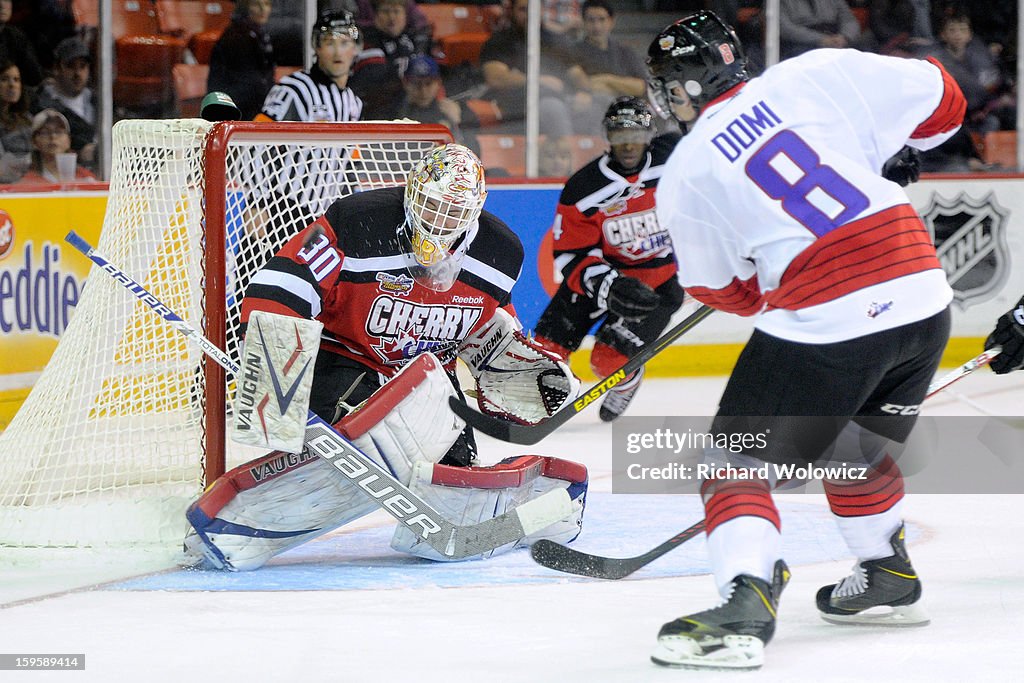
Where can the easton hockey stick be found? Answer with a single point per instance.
(979, 361)
(571, 561)
(452, 541)
(502, 429)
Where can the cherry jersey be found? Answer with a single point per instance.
(355, 280)
(776, 204)
(605, 217)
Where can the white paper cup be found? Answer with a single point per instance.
(66, 165)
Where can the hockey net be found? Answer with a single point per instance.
(127, 422)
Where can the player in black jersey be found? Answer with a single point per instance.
(616, 261)
(403, 282)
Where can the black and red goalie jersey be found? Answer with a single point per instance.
(355, 279)
(606, 216)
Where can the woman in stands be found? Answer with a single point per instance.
(51, 136)
(15, 124)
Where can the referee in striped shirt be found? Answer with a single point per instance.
(322, 92)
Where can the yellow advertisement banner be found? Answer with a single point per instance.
(41, 279)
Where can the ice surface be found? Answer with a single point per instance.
(347, 608)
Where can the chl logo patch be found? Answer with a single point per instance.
(970, 239)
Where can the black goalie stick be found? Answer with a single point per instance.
(502, 429)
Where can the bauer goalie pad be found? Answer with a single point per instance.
(516, 378)
(279, 501)
(467, 495)
(272, 394)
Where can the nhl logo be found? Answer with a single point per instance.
(970, 240)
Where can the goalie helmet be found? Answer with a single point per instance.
(699, 54)
(444, 196)
(336, 21)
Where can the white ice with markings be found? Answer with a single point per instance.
(347, 608)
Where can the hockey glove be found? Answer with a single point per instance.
(1009, 334)
(904, 167)
(627, 297)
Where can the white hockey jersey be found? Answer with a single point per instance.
(777, 206)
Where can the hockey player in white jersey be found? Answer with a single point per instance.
(779, 209)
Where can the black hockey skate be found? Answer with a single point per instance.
(730, 636)
(884, 592)
(619, 397)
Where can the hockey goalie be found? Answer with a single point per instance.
(360, 318)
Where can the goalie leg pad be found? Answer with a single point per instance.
(469, 495)
(276, 502)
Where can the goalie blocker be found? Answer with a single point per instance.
(281, 500)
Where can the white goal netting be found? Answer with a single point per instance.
(115, 439)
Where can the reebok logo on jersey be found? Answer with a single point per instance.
(479, 300)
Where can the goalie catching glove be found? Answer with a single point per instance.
(279, 501)
(516, 378)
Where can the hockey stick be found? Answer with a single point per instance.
(531, 434)
(979, 361)
(565, 559)
(452, 541)
(571, 561)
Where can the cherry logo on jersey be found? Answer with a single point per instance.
(6, 234)
(406, 329)
(395, 284)
(637, 236)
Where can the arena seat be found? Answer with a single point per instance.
(506, 152)
(189, 87)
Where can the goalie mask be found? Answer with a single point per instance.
(444, 196)
(700, 56)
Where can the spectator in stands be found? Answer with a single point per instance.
(971, 64)
(562, 17)
(902, 28)
(423, 103)
(603, 63)
(503, 60)
(808, 24)
(387, 48)
(366, 12)
(51, 135)
(554, 158)
(49, 22)
(69, 93)
(603, 67)
(894, 23)
(242, 62)
(15, 125)
(15, 46)
(285, 27)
